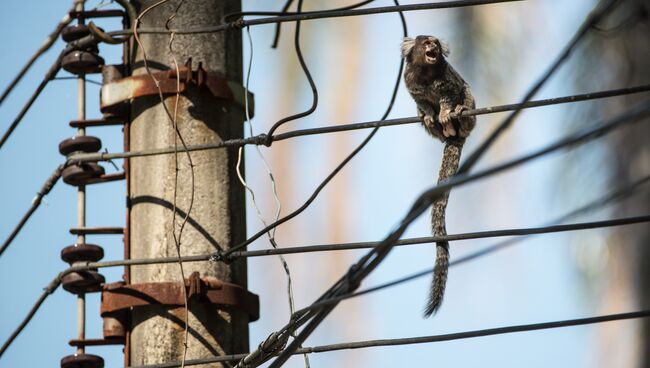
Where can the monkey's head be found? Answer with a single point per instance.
(424, 50)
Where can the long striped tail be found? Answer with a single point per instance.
(450, 161)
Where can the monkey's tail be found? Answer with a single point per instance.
(450, 161)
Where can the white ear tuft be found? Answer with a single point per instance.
(445, 48)
(407, 46)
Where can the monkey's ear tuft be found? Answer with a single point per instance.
(407, 46)
(445, 48)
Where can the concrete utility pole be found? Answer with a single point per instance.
(218, 215)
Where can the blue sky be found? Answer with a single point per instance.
(533, 282)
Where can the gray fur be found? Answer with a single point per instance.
(440, 94)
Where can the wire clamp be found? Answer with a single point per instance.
(170, 82)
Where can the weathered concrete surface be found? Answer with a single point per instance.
(217, 217)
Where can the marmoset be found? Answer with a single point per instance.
(441, 95)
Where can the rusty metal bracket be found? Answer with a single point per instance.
(172, 82)
(117, 297)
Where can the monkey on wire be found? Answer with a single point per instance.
(441, 95)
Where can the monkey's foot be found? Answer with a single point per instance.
(428, 120)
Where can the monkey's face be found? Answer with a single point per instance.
(429, 49)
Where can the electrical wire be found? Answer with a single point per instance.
(36, 202)
(262, 138)
(596, 204)
(47, 44)
(427, 339)
(317, 15)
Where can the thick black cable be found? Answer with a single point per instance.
(601, 9)
(49, 41)
(51, 287)
(45, 189)
(598, 203)
(358, 271)
(228, 18)
(315, 15)
(427, 339)
(278, 26)
(259, 139)
(51, 73)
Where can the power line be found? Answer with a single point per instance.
(260, 139)
(426, 339)
(36, 202)
(598, 203)
(49, 41)
(315, 15)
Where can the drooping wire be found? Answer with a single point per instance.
(278, 203)
(177, 137)
(310, 79)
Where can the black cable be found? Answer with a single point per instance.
(316, 15)
(598, 203)
(49, 41)
(259, 139)
(427, 339)
(51, 287)
(601, 9)
(312, 85)
(45, 189)
(278, 26)
(230, 16)
(51, 73)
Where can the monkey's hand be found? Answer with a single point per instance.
(459, 110)
(448, 129)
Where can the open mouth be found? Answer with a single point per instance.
(430, 54)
